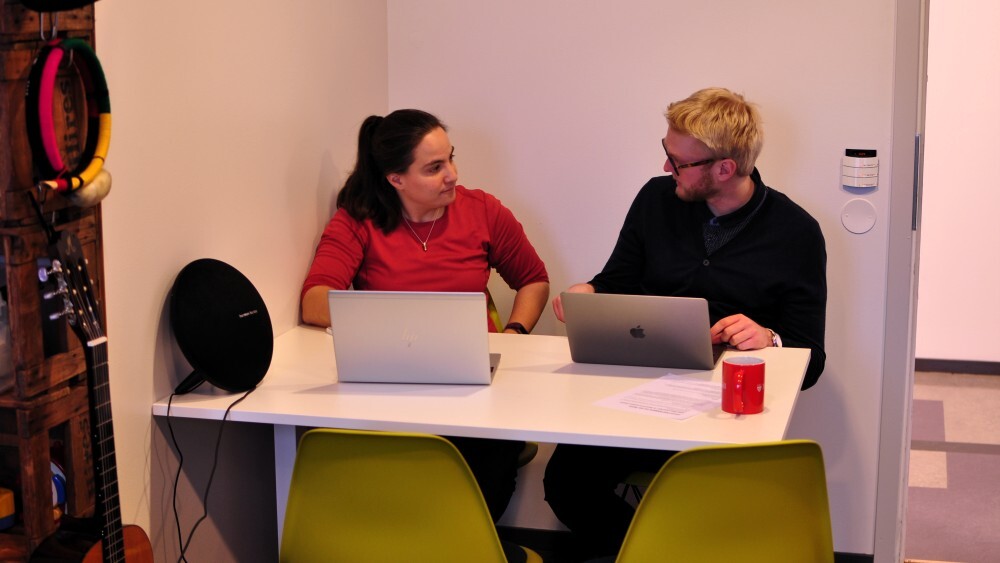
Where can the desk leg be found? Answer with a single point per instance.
(284, 461)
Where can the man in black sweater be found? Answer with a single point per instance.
(711, 229)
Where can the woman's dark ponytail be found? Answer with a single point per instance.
(385, 146)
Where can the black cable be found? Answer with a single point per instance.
(215, 463)
(50, 232)
(177, 477)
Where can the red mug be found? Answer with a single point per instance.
(743, 385)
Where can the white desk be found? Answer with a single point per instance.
(537, 394)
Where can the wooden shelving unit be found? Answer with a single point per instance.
(43, 400)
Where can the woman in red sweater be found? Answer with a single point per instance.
(404, 224)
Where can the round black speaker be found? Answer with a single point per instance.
(221, 325)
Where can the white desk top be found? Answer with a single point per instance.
(537, 394)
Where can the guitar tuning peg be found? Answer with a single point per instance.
(43, 273)
(50, 294)
(68, 310)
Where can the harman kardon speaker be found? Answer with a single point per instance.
(221, 325)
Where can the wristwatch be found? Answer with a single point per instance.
(516, 327)
(775, 339)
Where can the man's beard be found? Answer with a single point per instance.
(702, 190)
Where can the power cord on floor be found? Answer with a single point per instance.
(180, 463)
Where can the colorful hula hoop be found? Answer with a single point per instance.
(38, 113)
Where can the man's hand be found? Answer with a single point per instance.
(576, 288)
(740, 332)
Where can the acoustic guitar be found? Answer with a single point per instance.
(102, 537)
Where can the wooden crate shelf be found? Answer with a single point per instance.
(43, 400)
(27, 432)
(18, 23)
(44, 352)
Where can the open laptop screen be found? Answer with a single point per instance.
(410, 337)
(639, 330)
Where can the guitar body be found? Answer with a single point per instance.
(137, 547)
(78, 546)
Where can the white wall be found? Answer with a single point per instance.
(234, 123)
(959, 273)
(556, 108)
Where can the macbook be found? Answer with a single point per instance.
(411, 337)
(639, 330)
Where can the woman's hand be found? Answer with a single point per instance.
(316, 306)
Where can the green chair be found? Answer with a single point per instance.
(750, 503)
(492, 312)
(385, 496)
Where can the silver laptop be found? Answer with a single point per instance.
(411, 337)
(639, 330)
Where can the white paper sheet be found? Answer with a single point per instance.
(670, 396)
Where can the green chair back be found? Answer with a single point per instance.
(380, 496)
(748, 503)
(492, 312)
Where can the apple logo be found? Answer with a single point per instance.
(409, 337)
(637, 332)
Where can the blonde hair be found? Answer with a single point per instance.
(728, 124)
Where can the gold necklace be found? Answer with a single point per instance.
(429, 231)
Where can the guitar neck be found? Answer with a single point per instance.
(103, 446)
(69, 280)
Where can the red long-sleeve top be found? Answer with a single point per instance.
(475, 235)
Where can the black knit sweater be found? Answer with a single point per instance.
(773, 270)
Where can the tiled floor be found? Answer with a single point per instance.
(953, 505)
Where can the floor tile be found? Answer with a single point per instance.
(928, 469)
(958, 523)
(953, 502)
(970, 404)
(927, 420)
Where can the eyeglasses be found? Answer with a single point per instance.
(679, 167)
